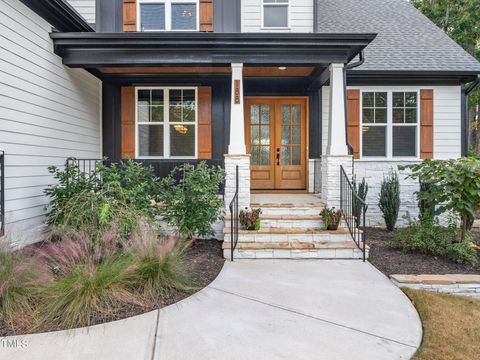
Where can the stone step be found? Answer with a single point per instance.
(295, 250)
(305, 235)
(287, 221)
(301, 210)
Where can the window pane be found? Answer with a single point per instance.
(368, 115)
(157, 113)
(285, 135)
(143, 97)
(398, 116)
(404, 141)
(182, 106)
(275, 1)
(265, 155)
(255, 155)
(411, 116)
(296, 134)
(285, 155)
(152, 16)
(296, 155)
(398, 99)
(368, 99)
(411, 99)
(381, 99)
(182, 140)
(143, 113)
(374, 139)
(184, 16)
(275, 16)
(381, 116)
(254, 114)
(265, 135)
(285, 114)
(265, 115)
(296, 114)
(150, 138)
(254, 136)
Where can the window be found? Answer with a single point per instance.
(166, 122)
(390, 124)
(161, 15)
(275, 13)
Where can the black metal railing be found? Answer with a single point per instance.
(85, 166)
(234, 218)
(354, 211)
(2, 193)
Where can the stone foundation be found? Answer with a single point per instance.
(331, 177)
(243, 162)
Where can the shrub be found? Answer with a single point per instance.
(389, 202)
(357, 205)
(331, 218)
(250, 219)
(426, 205)
(427, 236)
(159, 265)
(192, 204)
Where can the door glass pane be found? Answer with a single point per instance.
(152, 17)
(254, 137)
(295, 155)
(254, 156)
(265, 116)
(265, 135)
(182, 140)
(296, 114)
(285, 114)
(285, 155)
(265, 155)
(150, 140)
(285, 135)
(254, 114)
(296, 134)
(184, 16)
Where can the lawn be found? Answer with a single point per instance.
(451, 326)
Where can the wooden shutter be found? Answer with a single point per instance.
(205, 122)
(353, 121)
(426, 124)
(129, 15)
(206, 15)
(128, 122)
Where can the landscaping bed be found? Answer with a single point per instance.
(204, 261)
(393, 261)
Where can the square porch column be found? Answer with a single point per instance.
(337, 150)
(237, 151)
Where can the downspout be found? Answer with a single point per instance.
(353, 65)
(465, 115)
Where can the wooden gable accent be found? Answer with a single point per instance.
(128, 122)
(129, 15)
(204, 122)
(353, 121)
(426, 123)
(206, 15)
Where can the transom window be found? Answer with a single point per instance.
(166, 122)
(275, 13)
(390, 124)
(165, 15)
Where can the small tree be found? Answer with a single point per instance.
(454, 185)
(389, 202)
(427, 208)
(362, 194)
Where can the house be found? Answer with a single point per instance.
(287, 90)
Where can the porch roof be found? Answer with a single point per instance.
(92, 50)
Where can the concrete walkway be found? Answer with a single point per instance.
(272, 309)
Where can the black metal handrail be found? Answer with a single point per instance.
(354, 211)
(233, 207)
(2, 193)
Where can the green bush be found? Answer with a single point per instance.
(427, 236)
(426, 205)
(362, 193)
(389, 202)
(192, 204)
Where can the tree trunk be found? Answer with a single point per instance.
(464, 228)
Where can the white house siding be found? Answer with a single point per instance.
(447, 145)
(48, 112)
(86, 8)
(300, 12)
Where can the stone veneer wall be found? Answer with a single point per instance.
(374, 172)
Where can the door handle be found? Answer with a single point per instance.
(278, 156)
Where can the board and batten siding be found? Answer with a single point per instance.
(447, 145)
(300, 14)
(48, 112)
(86, 8)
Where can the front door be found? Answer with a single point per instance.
(276, 138)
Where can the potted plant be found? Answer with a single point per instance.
(250, 219)
(331, 218)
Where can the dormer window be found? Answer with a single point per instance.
(168, 15)
(275, 14)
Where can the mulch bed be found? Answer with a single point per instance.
(204, 257)
(392, 261)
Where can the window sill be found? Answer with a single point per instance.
(276, 28)
(165, 158)
(395, 160)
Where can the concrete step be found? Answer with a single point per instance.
(288, 210)
(287, 221)
(299, 235)
(294, 250)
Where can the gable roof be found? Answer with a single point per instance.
(406, 40)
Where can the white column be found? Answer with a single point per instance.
(237, 127)
(337, 140)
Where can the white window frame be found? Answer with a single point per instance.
(262, 11)
(166, 122)
(389, 126)
(168, 14)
